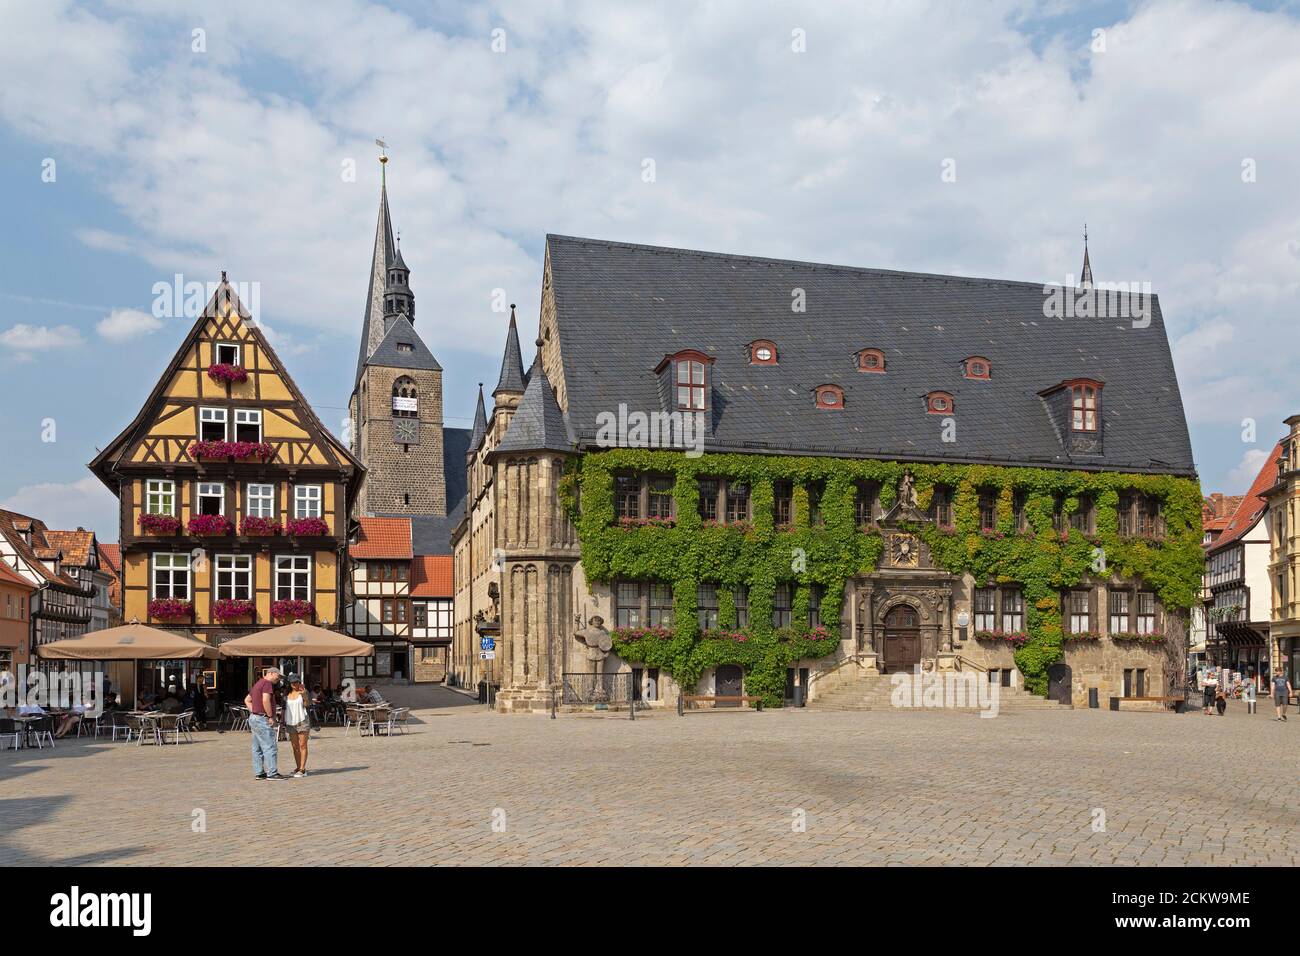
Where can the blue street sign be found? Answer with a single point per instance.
(487, 644)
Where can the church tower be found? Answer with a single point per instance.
(396, 403)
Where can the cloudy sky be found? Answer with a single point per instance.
(147, 139)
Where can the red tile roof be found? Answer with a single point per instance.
(9, 576)
(12, 525)
(431, 576)
(111, 555)
(383, 538)
(1253, 505)
(75, 545)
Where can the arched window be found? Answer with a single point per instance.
(406, 398)
(830, 396)
(939, 403)
(762, 352)
(871, 360)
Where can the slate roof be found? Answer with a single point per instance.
(1252, 506)
(621, 307)
(480, 423)
(382, 538)
(512, 363)
(538, 423)
(380, 260)
(387, 353)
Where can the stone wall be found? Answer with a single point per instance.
(401, 478)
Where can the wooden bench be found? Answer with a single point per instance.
(684, 699)
(1178, 702)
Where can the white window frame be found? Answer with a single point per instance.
(299, 499)
(209, 415)
(251, 416)
(175, 563)
(253, 502)
(294, 564)
(227, 571)
(199, 495)
(164, 489)
(239, 352)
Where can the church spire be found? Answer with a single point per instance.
(512, 363)
(389, 293)
(480, 424)
(1085, 274)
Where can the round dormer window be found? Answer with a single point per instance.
(763, 353)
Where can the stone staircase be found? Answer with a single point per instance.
(864, 690)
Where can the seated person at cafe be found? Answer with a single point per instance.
(171, 704)
(73, 717)
(371, 696)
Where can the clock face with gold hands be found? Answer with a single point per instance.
(903, 550)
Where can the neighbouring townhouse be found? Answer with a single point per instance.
(789, 480)
(61, 606)
(110, 567)
(1284, 557)
(15, 618)
(234, 501)
(1237, 592)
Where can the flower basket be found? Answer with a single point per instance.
(166, 609)
(230, 374)
(293, 609)
(723, 634)
(307, 527)
(1132, 637)
(1014, 638)
(209, 525)
(159, 524)
(228, 609)
(626, 634)
(1087, 637)
(647, 522)
(260, 526)
(238, 450)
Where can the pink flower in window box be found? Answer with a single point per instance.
(159, 524)
(167, 609)
(230, 374)
(239, 450)
(307, 527)
(259, 526)
(292, 609)
(210, 525)
(229, 609)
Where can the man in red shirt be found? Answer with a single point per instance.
(261, 721)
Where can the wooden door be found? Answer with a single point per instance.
(902, 638)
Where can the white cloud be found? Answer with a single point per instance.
(85, 503)
(1241, 477)
(121, 325)
(38, 338)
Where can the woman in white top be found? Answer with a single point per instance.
(297, 723)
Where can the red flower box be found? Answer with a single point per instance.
(240, 450)
(228, 609)
(637, 633)
(210, 524)
(292, 609)
(166, 609)
(256, 525)
(230, 374)
(307, 527)
(1014, 638)
(159, 524)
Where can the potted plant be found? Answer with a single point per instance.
(168, 609)
(292, 609)
(253, 525)
(209, 525)
(226, 610)
(307, 527)
(159, 524)
(225, 372)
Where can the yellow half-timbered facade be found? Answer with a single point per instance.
(234, 498)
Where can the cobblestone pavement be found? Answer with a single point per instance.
(710, 788)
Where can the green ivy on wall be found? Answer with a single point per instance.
(1040, 560)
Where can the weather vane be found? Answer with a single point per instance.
(383, 160)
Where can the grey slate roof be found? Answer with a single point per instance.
(379, 261)
(455, 446)
(401, 332)
(480, 423)
(621, 307)
(512, 363)
(538, 423)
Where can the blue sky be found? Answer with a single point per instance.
(176, 155)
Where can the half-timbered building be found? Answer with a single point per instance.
(234, 497)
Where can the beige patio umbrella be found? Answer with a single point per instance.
(130, 642)
(296, 640)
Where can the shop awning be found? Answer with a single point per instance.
(130, 642)
(296, 640)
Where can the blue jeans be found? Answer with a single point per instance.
(265, 748)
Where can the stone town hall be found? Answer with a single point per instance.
(967, 481)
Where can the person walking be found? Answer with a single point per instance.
(1208, 688)
(1281, 695)
(261, 721)
(297, 723)
(1248, 694)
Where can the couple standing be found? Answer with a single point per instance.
(261, 706)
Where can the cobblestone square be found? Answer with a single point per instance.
(734, 788)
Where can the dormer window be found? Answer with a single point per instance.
(977, 367)
(939, 403)
(690, 384)
(871, 360)
(830, 396)
(1083, 406)
(762, 352)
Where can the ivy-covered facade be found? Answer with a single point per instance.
(841, 502)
